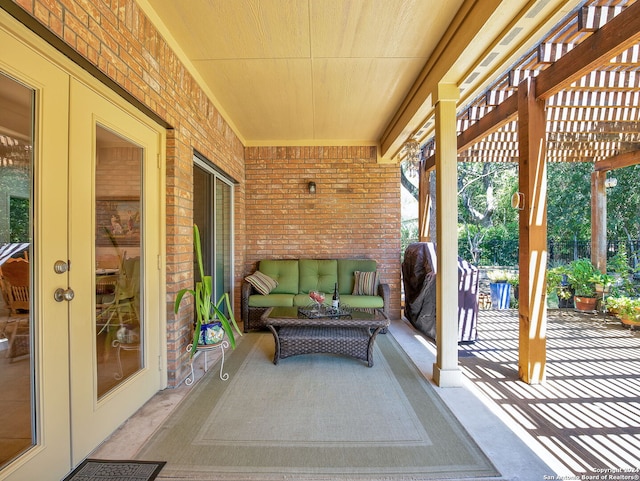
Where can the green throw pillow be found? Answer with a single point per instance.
(366, 283)
(262, 282)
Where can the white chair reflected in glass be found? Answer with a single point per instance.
(117, 309)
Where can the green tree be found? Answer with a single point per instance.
(569, 200)
(623, 204)
(486, 218)
(484, 192)
(18, 219)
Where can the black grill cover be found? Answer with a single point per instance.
(419, 277)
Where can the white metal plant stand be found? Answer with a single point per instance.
(206, 348)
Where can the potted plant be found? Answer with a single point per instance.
(513, 278)
(500, 288)
(630, 313)
(210, 319)
(619, 267)
(616, 304)
(603, 282)
(582, 276)
(558, 285)
(625, 308)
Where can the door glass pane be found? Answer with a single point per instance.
(212, 212)
(222, 249)
(118, 254)
(203, 217)
(16, 313)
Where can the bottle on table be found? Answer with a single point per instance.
(335, 302)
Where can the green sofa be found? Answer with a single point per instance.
(297, 277)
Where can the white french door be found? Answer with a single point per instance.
(43, 400)
(114, 233)
(89, 190)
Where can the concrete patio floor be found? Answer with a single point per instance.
(502, 431)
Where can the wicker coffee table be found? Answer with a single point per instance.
(353, 335)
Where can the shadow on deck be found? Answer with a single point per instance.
(587, 412)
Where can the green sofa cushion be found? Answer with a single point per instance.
(271, 300)
(318, 275)
(362, 301)
(296, 277)
(284, 272)
(346, 268)
(302, 300)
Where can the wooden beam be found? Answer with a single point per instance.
(498, 117)
(424, 206)
(620, 33)
(618, 161)
(590, 17)
(470, 20)
(599, 221)
(532, 182)
(501, 115)
(430, 163)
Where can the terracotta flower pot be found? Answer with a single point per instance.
(585, 303)
(629, 321)
(631, 318)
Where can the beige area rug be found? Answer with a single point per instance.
(315, 417)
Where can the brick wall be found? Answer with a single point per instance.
(118, 172)
(118, 175)
(118, 39)
(355, 212)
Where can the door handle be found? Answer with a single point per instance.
(60, 267)
(63, 294)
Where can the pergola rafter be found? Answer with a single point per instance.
(587, 70)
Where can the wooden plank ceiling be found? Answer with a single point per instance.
(592, 95)
(301, 72)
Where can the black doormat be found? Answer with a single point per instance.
(103, 470)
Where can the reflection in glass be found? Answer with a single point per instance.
(212, 211)
(119, 323)
(222, 247)
(16, 320)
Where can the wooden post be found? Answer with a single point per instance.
(533, 235)
(424, 206)
(599, 220)
(446, 372)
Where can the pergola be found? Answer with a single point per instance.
(573, 98)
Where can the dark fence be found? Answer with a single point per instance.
(505, 252)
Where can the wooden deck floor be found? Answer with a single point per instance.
(587, 412)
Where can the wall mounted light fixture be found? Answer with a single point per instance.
(517, 201)
(312, 187)
(610, 182)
